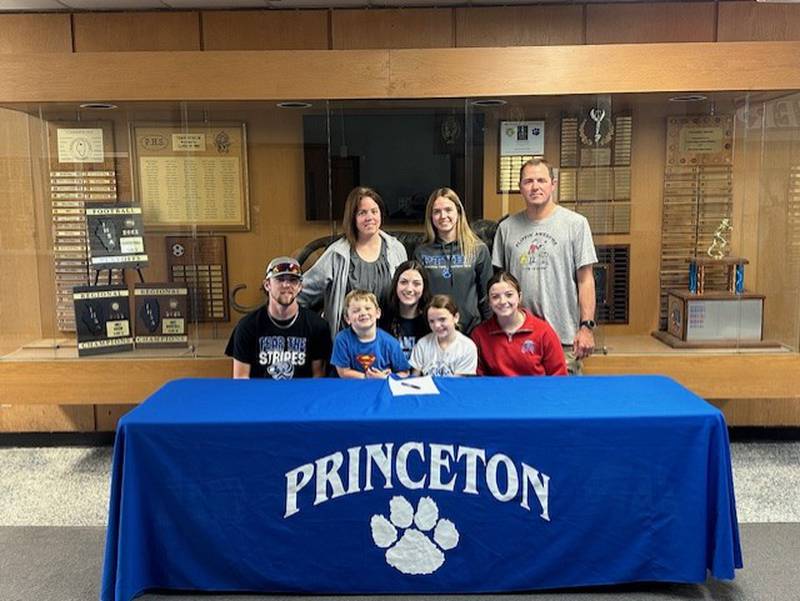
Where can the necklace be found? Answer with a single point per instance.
(283, 327)
(519, 319)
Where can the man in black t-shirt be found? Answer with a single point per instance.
(281, 340)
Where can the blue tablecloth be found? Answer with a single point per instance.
(496, 484)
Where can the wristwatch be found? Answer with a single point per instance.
(588, 323)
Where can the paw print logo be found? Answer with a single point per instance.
(423, 537)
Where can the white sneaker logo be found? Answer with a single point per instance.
(415, 552)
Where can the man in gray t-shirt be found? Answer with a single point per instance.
(549, 249)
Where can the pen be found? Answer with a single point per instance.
(414, 386)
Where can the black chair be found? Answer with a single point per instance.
(484, 228)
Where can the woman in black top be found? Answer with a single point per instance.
(404, 316)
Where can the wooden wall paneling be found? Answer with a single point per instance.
(194, 76)
(277, 200)
(494, 205)
(35, 33)
(20, 311)
(749, 172)
(392, 28)
(519, 26)
(109, 380)
(594, 69)
(777, 274)
(751, 21)
(44, 225)
(107, 416)
(647, 175)
(649, 23)
(760, 412)
(46, 418)
(136, 31)
(712, 376)
(265, 30)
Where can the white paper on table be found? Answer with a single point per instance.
(406, 386)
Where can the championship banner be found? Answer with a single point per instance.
(116, 237)
(161, 315)
(102, 319)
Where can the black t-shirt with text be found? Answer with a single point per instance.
(407, 331)
(280, 350)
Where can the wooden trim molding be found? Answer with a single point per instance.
(732, 377)
(129, 381)
(98, 381)
(426, 73)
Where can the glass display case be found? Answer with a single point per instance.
(211, 191)
(136, 233)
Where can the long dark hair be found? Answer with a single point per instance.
(393, 303)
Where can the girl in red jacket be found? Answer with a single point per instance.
(514, 342)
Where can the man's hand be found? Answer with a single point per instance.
(583, 345)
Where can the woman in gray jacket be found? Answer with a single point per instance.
(365, 258)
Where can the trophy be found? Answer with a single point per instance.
(717, 255)
(713, 316)
(719, 246)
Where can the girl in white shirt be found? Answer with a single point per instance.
(445, 351)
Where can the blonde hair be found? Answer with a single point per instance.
(468, 241)
(351, 208)
(360, 295)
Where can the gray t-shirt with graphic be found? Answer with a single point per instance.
(459, 358)
(545, 257)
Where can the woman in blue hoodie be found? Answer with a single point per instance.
(457, 261)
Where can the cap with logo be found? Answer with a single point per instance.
(284, 266)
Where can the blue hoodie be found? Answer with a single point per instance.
(463, 278)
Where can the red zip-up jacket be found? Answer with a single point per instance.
(533, 350)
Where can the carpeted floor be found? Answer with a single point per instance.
(53, 504)
(41, 563)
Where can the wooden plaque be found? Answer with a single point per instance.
(161, 315)
(191, 175)
(103, 319)
(700, 140)
(201, 264)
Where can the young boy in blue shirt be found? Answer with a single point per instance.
(364, 350)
